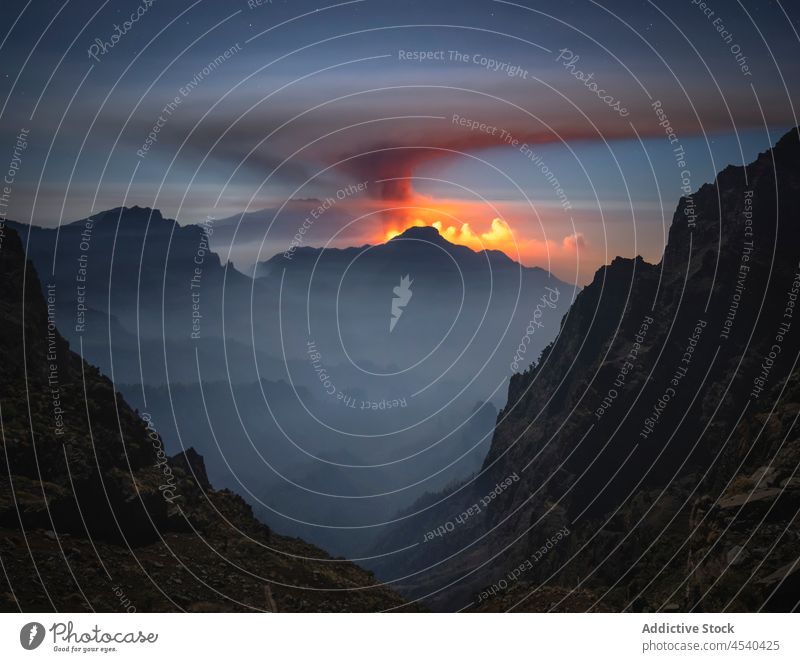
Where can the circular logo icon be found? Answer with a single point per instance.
(31, 635)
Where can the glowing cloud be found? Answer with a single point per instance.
(499, 236)
(566, 253)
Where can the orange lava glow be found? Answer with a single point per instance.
(499, 236)
(460, 222)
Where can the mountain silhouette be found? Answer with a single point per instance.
(658, 429)
(466, 304)
(91, 507)
(249, 372)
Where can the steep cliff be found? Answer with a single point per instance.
(652, 448)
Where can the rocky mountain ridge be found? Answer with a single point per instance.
(659, 428)
(95, 516)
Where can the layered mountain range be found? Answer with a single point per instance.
(96, 515)
(646, 460)
(281, 380)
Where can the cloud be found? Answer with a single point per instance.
(499, 235)
(574, 241)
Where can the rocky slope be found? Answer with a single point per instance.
(94, 515)
(658, 431)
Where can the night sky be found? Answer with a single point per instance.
(452, 112)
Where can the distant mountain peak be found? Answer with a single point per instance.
(422, 233)
(126, 215)
(431, 235)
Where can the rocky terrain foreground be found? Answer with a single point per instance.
(94, 516)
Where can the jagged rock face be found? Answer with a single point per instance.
(678, 309)
(66, 432)
(641, 426)
(94, 515)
